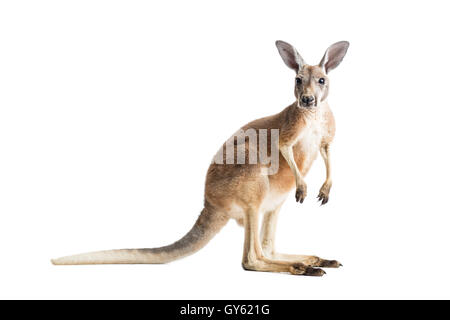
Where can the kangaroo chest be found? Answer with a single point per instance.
(308, 144)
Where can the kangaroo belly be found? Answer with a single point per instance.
(272, 200)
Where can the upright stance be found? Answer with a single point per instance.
(248, 191)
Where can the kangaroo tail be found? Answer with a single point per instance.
(205, 228)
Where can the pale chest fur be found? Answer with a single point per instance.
(309, 141)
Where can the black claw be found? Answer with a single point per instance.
(323, 198)
(299, 196)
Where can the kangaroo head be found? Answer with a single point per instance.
(311, 82)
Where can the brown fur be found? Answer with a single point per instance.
(245, 193)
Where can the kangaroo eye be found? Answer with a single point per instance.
(322, 81)
(298, 81)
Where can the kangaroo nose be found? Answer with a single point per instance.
(307, 99)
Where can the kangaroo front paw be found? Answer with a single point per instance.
(301, 269)
(324, 193)
(300, 193)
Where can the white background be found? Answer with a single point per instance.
(110, 112)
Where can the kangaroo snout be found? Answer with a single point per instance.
(307, 100)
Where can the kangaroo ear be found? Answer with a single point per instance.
(290, 56)
(334, 55)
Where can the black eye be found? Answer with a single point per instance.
(298, 81)
(322, 81)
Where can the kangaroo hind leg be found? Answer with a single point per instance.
(268, 230)
(254, 259)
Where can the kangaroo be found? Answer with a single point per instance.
(247, 191)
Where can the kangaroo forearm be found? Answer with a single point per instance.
(325, 152)
(288, 154)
